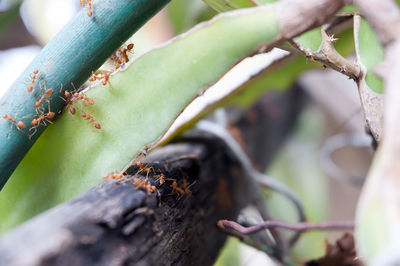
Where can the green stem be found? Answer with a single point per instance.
(79, 48)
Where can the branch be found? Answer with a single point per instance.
(301, 227)
(118, 224)
(328, 56)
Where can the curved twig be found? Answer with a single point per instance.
(299, 227)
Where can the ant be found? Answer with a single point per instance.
(186, 186)
(68, 99)
(41, 118)
(39, 102)
(18, 124)
(33, 79)
(89, 6)
(124, 52)
(115, 175)
(145, 184)
(91, 120)
(121, 56)
(101, 75)
(143, 168)
(181, 191)
(46, 93)
(83, 96)
(161, 178)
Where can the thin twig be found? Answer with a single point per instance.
(328, 56)
(300, 227)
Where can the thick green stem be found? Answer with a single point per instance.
(81, 47)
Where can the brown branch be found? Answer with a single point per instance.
(301, 227)
(328, 56)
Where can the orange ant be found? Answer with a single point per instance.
(101, 75)
(33, 78)
(83, 96)
(89, 6)
(69, 101)
(143, 168)
(18, 124)
(39, 102)
(176, 188)
(47, 93)
(121, 56)
(145, 184)
(186, 186)
(116, 60)
(91, 120)
(161, 178)
(43, 117)
(124, 52)
(115, 175)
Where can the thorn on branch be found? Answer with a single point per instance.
(328, 56)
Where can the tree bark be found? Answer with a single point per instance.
(116, 223)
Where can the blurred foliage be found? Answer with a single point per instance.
(8, 16)
(297, 167)
(229, 255)
(371, 53)
(184, 14)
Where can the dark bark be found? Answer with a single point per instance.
(117, 224)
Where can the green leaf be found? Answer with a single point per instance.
(371, 53)
(226, 5)
(72, 156)
(8, 16)
(184, 14)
